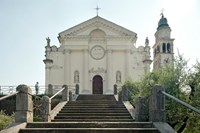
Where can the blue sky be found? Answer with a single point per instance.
(24, 25)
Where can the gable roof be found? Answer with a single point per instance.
(98, 22)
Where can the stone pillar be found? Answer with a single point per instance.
(124, 93)
(120, 98)
(46, 108)
(109, 69)
(85, 70)
(50, 89)
(157, 105)
(65, 93)
(141, 110)
(24, 104)
(70, 96)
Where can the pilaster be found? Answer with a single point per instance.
(67, 66)
(85, 69)
(127, 64)
(109, 69)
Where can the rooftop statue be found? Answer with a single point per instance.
(48, 41)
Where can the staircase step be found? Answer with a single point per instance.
(90, 125)
(93, 117)
(89, 108)
(95, 97)
(93, 114)
(95, 105)
(93, 120)
(94, 102)
(89, 130)
(93, 111)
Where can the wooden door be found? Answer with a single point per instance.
(97, 85)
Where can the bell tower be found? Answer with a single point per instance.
(163, 48)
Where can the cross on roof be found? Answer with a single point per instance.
(97, 8)
(162, 12)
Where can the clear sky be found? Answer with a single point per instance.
(24, 25)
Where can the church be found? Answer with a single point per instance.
(97, 54)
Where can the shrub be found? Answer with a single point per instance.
(5, 120)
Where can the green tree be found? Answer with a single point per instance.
(193, 85)
(175, 79)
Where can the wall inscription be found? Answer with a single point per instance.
(97, 70)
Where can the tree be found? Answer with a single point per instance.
(175, 79)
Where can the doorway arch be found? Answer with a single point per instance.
(97, 85)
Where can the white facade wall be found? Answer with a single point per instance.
(95, 47)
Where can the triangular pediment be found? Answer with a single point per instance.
(97, 22)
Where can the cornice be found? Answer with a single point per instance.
(96, 22)
(107, 38)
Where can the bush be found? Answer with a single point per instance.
(5, 120)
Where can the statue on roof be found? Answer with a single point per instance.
(146, 41)
(48, 41)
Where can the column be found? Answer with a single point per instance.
(48, 64)
(109, 70)
(127, 64)
(67, 67)
(85, 70)
(47, 75)
(161, 48)
(166, 48)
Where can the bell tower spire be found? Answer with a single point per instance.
(163, 53)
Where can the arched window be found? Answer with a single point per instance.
(168, 48)
(164, 48)
(118, 77)
(76, 77)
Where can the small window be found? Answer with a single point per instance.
(164, 48)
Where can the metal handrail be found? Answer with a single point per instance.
(57, 93)
(130, 91)
(181, 102)
(2, 98)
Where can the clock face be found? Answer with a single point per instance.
(97, 52)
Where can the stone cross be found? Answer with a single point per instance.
(97, 8)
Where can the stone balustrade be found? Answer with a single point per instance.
(24, 104)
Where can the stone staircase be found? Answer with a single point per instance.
(92, 114)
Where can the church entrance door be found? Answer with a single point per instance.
(97, 85)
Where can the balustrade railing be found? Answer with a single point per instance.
(155, 103)
(48, 90)
(181, 102)
(42, 102)
(6, 90)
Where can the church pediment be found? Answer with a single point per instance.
(84, 29)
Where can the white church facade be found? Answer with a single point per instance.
(96, 55)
